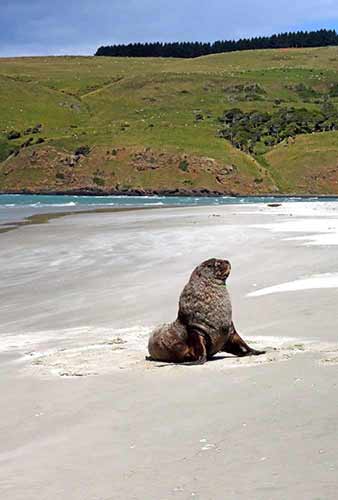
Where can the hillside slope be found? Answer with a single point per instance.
(152, 125)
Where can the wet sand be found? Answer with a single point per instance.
(86, 417)
(43, 218)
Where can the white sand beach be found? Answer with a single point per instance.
(86, 417)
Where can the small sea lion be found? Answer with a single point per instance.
(204, 323)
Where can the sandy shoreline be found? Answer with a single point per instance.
(45, 216)
(87, 417)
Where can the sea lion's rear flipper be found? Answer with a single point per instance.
(236, 345)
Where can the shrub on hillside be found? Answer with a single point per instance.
(27, 143)
(82, 151)
(184, 165)
(13, 134)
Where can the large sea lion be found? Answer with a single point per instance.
(204, 323)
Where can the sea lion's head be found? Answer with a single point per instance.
(214, 269)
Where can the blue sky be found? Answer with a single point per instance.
(43, 27)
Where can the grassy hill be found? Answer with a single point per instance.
(148, 125)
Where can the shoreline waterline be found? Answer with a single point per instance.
(44, 218)
(18, 210)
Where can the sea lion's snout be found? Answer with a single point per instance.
(226, 269)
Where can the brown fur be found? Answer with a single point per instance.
(204, 323)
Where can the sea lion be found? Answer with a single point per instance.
(204, 323)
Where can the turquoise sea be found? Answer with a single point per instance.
(14, 207)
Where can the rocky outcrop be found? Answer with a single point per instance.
(122, 170)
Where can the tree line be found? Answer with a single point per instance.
(320, 38)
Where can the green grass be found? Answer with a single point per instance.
(114, 103)
(5, 148)
(314, 155)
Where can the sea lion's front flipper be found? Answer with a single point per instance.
(197, 343)
(236, 345)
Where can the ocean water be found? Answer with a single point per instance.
(16, 207)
